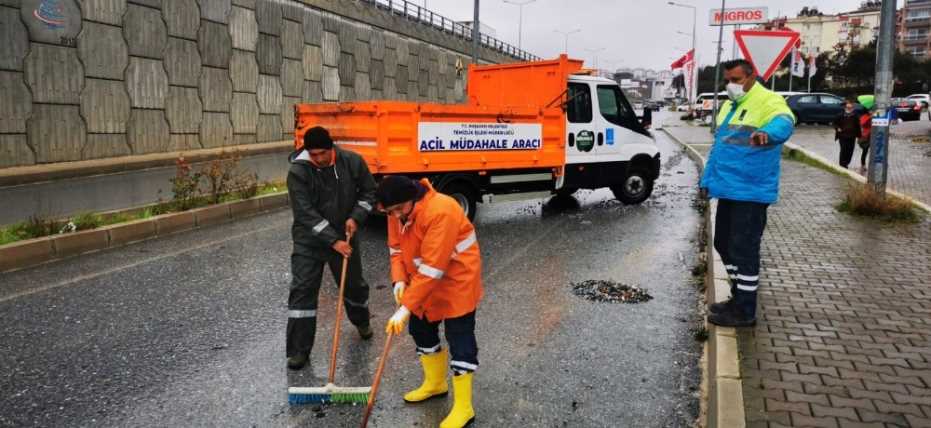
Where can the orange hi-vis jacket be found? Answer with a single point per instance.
(436, 253)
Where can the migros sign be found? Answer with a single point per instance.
(737, 16)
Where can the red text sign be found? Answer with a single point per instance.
(743, 15)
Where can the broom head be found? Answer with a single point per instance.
(329, 394)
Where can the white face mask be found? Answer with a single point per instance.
(735, 91)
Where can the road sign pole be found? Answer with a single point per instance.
(879, 136)
(717, 73)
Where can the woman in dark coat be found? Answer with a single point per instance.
(846, 131)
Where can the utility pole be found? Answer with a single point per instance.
(694, 80)
(879, 136)
(475, 34)
(520, 21)
(717, 74)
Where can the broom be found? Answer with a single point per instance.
(332, 393)
(377, 381)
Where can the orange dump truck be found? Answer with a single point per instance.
(527, 130)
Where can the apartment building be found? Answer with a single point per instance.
(821, 32)
(915, 28)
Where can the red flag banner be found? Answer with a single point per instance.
(687, 58)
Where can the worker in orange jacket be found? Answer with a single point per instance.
(436, 268)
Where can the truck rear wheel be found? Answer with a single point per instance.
(465, 195)
(636, 188)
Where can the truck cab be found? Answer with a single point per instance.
(606, 145)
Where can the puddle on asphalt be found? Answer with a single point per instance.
(610, 292)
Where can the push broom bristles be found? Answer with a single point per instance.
(329, 394)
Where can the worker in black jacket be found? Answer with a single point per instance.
(332, 192)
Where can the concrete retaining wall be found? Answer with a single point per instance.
(94, 79)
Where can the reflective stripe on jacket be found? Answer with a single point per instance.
(436, 253)
(737, 170)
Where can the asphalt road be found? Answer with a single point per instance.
(188, 330)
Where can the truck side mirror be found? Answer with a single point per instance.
(647, 119)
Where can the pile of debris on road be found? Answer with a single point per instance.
(610, 292)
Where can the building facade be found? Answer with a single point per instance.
(833, 33)
(915, 28)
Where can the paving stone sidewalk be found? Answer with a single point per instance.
(844, 331)
(909, 162)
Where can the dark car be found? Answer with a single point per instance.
(653, 105)
(907, 109)
(815, 108)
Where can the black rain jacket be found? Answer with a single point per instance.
(322, 199)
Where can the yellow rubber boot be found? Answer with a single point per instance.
(434, 378)
(462, 413)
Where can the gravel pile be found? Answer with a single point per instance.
(610, 292)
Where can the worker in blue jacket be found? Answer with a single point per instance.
(743, 174)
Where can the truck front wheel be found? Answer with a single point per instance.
(636, 188)
(465, 195)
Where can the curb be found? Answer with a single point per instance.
(19, 175)
(32, 252)
(854, 176)
(722, 398)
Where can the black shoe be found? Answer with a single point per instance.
(717, 308)
(731, 317)
(297, 362)
(365, 331)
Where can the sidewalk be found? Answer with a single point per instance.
(844, 331)
(909, 162)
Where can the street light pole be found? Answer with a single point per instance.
(475, 34)
(694, 79)
(520, 21)
(594, 53)
(566, 35)
(717, 74)
(879, 136)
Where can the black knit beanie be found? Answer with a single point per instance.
(396, 189)
(317, 138)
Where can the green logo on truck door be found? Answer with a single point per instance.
(585, 141)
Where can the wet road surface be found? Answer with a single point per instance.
(188, 330)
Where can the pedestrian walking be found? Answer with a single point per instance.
(436, 268)
(332, 193)
(743, 174)
(866, 125)
(847, 131)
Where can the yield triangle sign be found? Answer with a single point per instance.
(765, 49)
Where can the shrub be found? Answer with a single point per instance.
(247, 185)
(87, 221)
(185, 186)
(862, 200)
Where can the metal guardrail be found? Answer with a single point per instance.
(417, 13)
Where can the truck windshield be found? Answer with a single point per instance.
(614, 107)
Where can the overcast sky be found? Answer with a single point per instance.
(631, 33)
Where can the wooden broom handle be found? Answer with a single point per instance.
(339, 317)
(377, 382)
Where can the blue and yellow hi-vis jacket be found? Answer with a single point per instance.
(736, 170)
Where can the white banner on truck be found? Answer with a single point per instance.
(468, 136)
